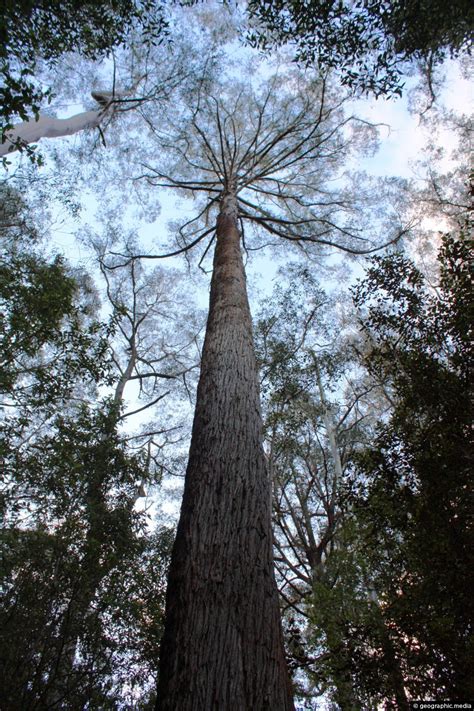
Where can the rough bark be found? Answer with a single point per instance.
(222, 648)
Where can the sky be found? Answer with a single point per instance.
(402, 138)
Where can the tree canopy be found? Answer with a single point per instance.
(323, 546)
(416, 501)
(368, 43)
(32, 33)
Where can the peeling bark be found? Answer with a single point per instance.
(222, 648)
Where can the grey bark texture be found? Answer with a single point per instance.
(222, 648)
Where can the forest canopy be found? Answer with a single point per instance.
(235, 357)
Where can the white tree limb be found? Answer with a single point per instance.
(33, 130)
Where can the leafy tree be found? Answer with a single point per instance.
(49, 336)
(377, 601)
(44, 31)
(414, 504)
(251, 154)
(319, 411)
(77, 570)
(83, 582)
(369, 43)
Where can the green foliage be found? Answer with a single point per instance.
(48, 340)
(40, 316)
(286, 330)
(368, 42)
(378, 603)
(413, 499)
(82, 604)
(83, 582)
(82, 579)
(341, 613)
(305, 362)
(30, 32)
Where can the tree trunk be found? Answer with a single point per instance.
(222, 648)
(392, 663)
(91, 570)
(345, 695)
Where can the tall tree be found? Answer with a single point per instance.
(263, 157)
(32, 33)
(108, 106)
(222, 644)
(318, 411)
(78, 568)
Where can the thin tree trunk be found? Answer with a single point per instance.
(331, 429)
(345, 693)
(62, 682)
(343, 682)
(222, 648)
(392, 662)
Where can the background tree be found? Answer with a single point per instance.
(107, 106)
(418, 474)
(401, 622)
(83, 579)
(373, 609)
(31, 33)
(49, 334)
(156, 351)
(370, 43)
(319, 411)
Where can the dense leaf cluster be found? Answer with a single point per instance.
(370, 41)
(414, 496)
(82, 584)
(49, 337)
(31, 32)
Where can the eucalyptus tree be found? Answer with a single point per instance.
(318, 413)
(108, 92)
(82, 578)
(108, 105)
(443, 191)
(261, 154)
(155, 351)
(43, 32)
(384, 595)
